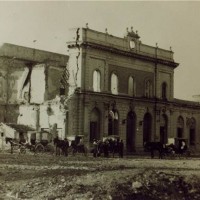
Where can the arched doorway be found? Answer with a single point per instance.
(95, 125)
(163, 129)
(180, 127)
(147, 128)
(113, 122)
(192, 132)
(130, 131)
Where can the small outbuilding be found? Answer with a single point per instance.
(18, 132)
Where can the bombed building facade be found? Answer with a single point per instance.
(29, 87)
(111, 86)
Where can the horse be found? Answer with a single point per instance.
(61, 146)
(78, 147)
(154, 146)
(15, 145)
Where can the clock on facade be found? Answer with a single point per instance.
(132, 44)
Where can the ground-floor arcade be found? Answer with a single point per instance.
(136, 121)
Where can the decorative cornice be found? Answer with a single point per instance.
(159, 102)
(125, 53)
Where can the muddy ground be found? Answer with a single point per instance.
(86, 178)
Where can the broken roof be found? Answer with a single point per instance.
(20, 127)
(31, 54)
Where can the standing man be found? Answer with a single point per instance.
(95, 149)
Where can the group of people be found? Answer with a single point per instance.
(106, 148)
(109, 146)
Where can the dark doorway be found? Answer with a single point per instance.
(192, 132)
(163, 135)
(163, 129)
(130, 132)
(21, 137)
(180, 127)
(192, 137)
(147, 128)
(110, 125)
(93, 131)
(179, 132)
(95, 125)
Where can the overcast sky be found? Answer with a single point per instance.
(175, 24)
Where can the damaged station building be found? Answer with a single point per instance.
(106, 85)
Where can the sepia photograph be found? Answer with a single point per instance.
(99, 100)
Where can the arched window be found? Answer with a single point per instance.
(180, 127)
(96, 81)
(164, 91)
(113, 123)
(191, 122)
(131, 86)
(148, 89)
(114, 84)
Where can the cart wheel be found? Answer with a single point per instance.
(39, 148)
(22, 150)
(50, 149)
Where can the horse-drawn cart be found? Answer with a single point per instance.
(76, 144)
(42, 142)
(15, 145)
(178, 147)
(31, 143)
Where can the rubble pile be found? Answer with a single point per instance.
(71, 185)
(74, 178)
(154, 185)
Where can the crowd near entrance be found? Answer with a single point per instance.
(131, 126)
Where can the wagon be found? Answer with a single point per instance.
(76, 144)
(43, 144)
(15, 145)
(178, 147)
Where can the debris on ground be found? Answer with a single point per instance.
(87, 178)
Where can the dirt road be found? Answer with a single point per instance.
(88, 178)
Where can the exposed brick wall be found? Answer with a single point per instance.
(54, 77)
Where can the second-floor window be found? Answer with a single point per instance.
(164, 91)
(96, 81)
(114, 84)
(131, 86)
(148, 89)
